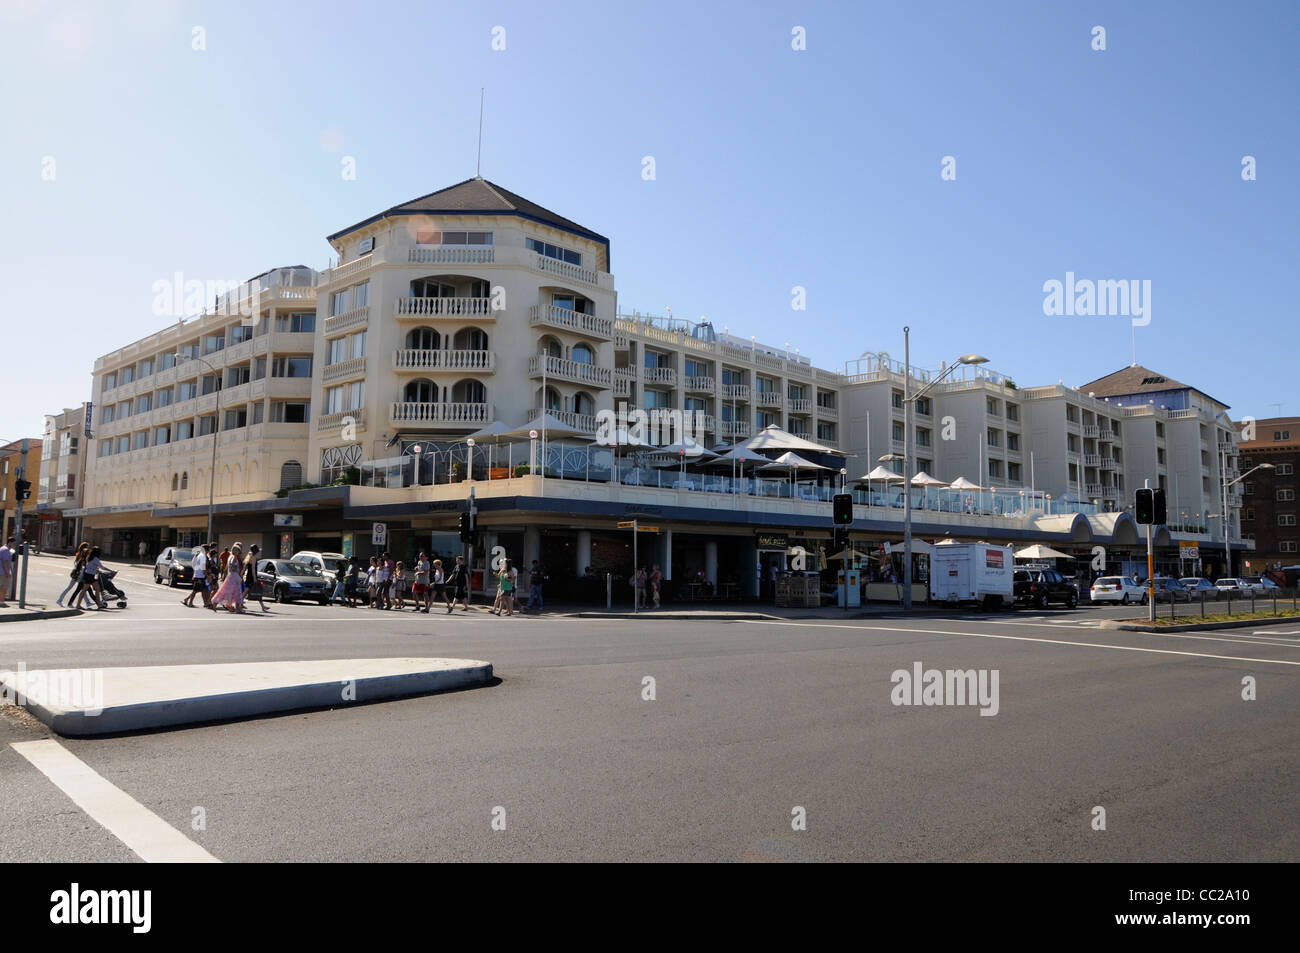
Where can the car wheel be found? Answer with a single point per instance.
(1144, 598)
(1072, 600)
(1042, 601)
(1124, 599)
(172, 581)
(157, 580)
(323, 602)
(280, 595)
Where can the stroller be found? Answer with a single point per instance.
(109, 589)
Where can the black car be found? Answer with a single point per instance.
(1169, 589)
(1041, 587)
(287, 581)
(175, 566)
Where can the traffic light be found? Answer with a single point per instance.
(1158, 514)
(843, 508)
(840, 541)
(1144, 509)
(23, 489)
(466, 527)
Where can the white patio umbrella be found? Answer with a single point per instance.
(683, 450)
(881, 473)
(961, 483)
(925, 481)
(1039, 551)
(736, 458)
(775, 438)
(790, 462)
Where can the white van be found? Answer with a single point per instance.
(972, 572)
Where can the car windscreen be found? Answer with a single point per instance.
(296, 569)
(1108, 581)
(1190, 581)
(184, 555)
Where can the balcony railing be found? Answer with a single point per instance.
(548, 315)
(1091, 460)
(355, 367)
(735, 392)
(585, 423)
(831, 413)
(560, 368)
(415, 359)
(701, 385)
(356, 318)
(660, 375)
(451, 256)
(801, 405)
(1092, 430)
(334, 421)
(1108, 463)
(736, 428)
(480, 309)
(768, 398)
(623, 381)
(403, 412)
(565, 270)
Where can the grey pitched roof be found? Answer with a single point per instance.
(1137, 380)
(479, 196)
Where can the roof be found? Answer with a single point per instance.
(1137, 380)
(480, 197)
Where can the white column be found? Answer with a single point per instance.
(584, 552)
(532, 548)
(667, 567)
(711, 563)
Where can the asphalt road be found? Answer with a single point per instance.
(750, 720)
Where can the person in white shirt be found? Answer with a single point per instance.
(200, 563)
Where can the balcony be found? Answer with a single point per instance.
(701, 385)
(830, 413)
(584, 423)
(561, 369)
(550, 316)
(344, 369)
(356, 318)
(800, 405)
(1093, 489)
(1092, 460)
(736, 428)
(565, 270)
(735, 392)
(336, 421)
(451, 256)
(1108, 463)
(623, 377)
(660, 375)
(460, 309)
(768, 398)
(701, 421)
(469, 415)
(477, 362)
(1092, 430)
(1109, 492)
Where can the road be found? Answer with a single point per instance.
(750, 721)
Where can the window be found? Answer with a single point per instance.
(764, 385)
(187, 390)
(290, 412)
(185, 480)
(213, 342)
(656, 399)
(259, 412)
(290, 475)
(1160, 455)
(291, 367)
(144, 403)
(240, 333)
(124, 409)
(1286, 546)
(995, 469)
(188, 351)
(1281, 435)
(1013, 472)
(185, 430)
(897, 399)
(897, 431)
(1285, 519)
(358, 341)
(338, 302)
(167, 361)
(1248, 516)
(360, 298)
(211, 383)
(109, 382)
(826, 432)
(994, 437)
(1285, 494)
(128, 375)
(236, 417)
(165, 397)
(433, 237)
(140, 440)
(1013, 441)
(767, 419)
(1160, 429)
(146, 368)
(553, 251)
(991, 405)
(345, 397)
(922, 405)
(697, 405)
(732, 378)
(237, 375)
(176, 481)
(1248, 489)
(336, 351)
(162, 435)
(582, 354)
(259, 368)
(1283, 469)
(207, 424)
(106, 415)
(105, 448)
(1013, 411)
(923, 437)
(698, 369)
(299, 323)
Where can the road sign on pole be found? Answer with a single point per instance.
(379, 534)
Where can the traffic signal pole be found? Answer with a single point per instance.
(1151, 570)
(15, 590)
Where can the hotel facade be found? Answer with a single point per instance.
(343, 398)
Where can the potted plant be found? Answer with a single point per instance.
(522, 470)
(457, 472)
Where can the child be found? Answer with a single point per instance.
(399, 583)
(353, 577)
(372, 582)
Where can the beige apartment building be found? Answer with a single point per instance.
(62, 478)
(349, 397)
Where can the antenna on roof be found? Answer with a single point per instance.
(1134, 330)
(478, 162)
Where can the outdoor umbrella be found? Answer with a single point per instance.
(882, 473)
(547, 426)
(775, 438)
(961, 483)
(682, 450)
(736, 458)
(493, 434)
(1039, 551)
(925, 481)
(790, 462)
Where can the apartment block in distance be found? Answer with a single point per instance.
(1268, 496)
(63, 475)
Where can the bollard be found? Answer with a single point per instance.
(1202, 603)
(609, 591)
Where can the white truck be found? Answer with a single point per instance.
(972, 572)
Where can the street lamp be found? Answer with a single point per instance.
(469, 442)
(1223, 458)
(908, 400)
(216, 428)
(417, 450)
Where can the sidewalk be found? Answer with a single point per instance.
(883, 610)
(44, 574)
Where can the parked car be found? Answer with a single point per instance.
(288, 581)
(174, 565)
(329, 564)
(1195, 585)
(1229, 584)
(1259, 583)
(1119, 589)
(1169, 589)
(1041, 587)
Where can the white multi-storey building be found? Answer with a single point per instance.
(348, 397)
(62, 477)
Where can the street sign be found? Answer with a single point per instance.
(379, 534)
(632, 524)
(1189, 551)
(287, 520)
(627, 524)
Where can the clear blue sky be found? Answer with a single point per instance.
(775, 168)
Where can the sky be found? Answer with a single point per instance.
(144, 138)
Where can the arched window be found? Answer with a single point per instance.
(552, 347)
(583, 354)
(185, 480)
(424, 339)
(583, 403)
(471, 339)
(469, 392)
(420, 392)
(290, 474)
(552, 400)
(176, 481)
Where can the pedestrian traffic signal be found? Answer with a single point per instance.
(840, 541)
(23, 489)
(843, 508)
(466, 527)
(1144, 508)
(1158, 514)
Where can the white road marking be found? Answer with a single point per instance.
(140, 829)
(1025, 638)
(1240, 639)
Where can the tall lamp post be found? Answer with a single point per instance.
(908, 400)
(216, 429)
(1223, 457)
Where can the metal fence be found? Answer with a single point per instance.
(1234, 602)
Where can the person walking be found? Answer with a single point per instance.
(144, 551)
(656, 583)
(89, 584)
(233, 586)
(535, 580)
(459, 586)
(381, 582)
(640, 587)
(340, 582)
(224, 560)
(505, 591)
(78, 561)
(420, 590)
(253, 582)
(200, 583)
(399, 583)
(353, 583)
(372, 582)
